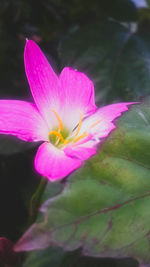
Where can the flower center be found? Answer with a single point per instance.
(60, 136)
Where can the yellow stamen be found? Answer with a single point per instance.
(65, 142)
(57, 134)
(59, 120)
(80, 137)
(94, 124)
(79, 125)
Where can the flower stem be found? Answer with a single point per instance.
(36, 200)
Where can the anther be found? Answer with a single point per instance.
(79, 125)
(94, 124)
(59, 120)
(80, 137)
(65, 142)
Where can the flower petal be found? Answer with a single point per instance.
(100, 124)
(78, 91)
(113, 111)
(43, 81)
(53, 163)
(22, 119)
(83, 151)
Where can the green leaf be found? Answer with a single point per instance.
(104, 207)
(115, 59)
(51, 257)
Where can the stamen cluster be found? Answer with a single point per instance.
(60, 137)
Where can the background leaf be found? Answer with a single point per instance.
(10, 145)
(48, 257)
(116, 59)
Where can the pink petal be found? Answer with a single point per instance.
(82, 152)
(43, 81)
(78, 91)
(22, 119)
(53, 163)
(113, 111)
(106, 114)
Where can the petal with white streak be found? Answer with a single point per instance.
(54, 163)
(22, 119)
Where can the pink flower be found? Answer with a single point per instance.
(64, 116)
